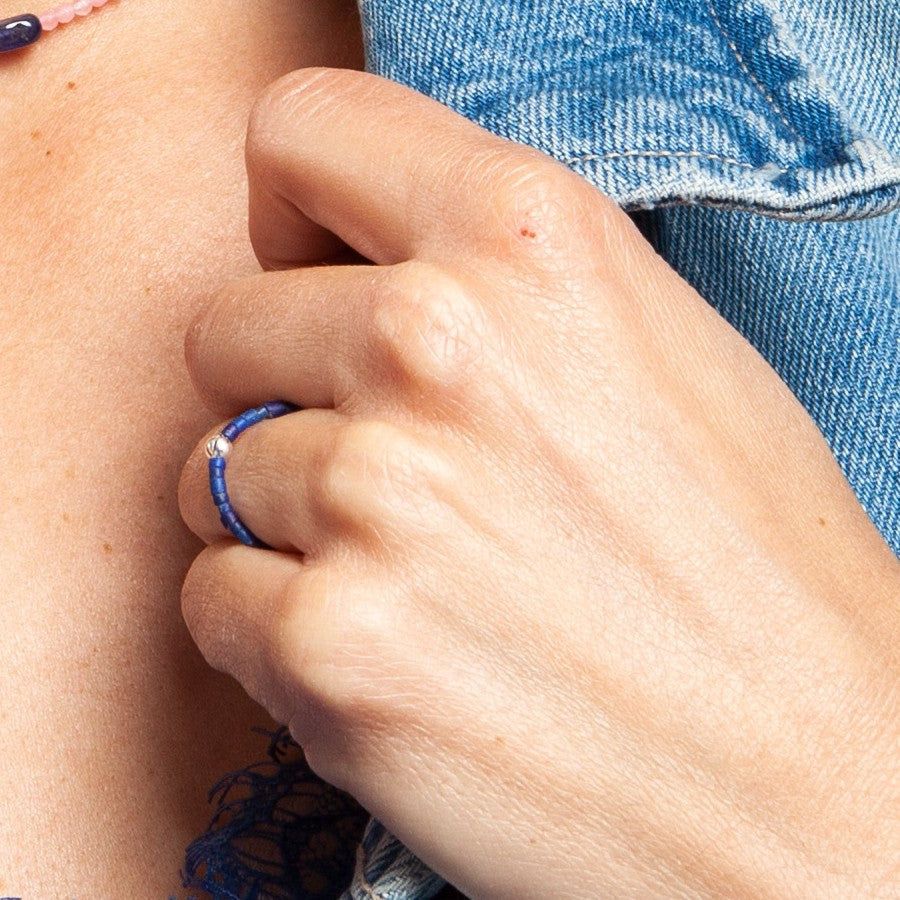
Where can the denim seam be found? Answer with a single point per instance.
(360, 879)
(746, 69)
(823, 207)
(677, 154)
(784, 214)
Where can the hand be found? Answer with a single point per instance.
(567, 589)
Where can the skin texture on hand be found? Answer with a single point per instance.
(567, 588)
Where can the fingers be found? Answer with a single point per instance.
(315, 480)
(292, 335)
(391, 172)
(229, 599)
(349, 337)
(302, 638)
(269, 472)
(267, 619)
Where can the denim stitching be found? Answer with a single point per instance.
(835, 208)
(743, 64)
(785, 214)
(678, 154)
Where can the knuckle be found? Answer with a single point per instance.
(289, 100)
(545, 214)
(428, 328)
(533, 201)
(278, 100)
(344, 471)
(373, 472)
(332, 640)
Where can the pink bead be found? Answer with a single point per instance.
(64, 14)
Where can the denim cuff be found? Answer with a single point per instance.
(788, 108)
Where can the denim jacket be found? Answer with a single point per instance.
(756, 142)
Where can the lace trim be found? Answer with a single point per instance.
(278, 833)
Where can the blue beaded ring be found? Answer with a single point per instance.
(218, 449)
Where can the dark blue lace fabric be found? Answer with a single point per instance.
(278, 832)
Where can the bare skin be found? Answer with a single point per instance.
(122, 204)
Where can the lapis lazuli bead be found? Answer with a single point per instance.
(277, 408)
(19, 32)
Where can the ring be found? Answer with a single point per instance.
(218, 449)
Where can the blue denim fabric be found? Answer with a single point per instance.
(761, 137)
(757, 142)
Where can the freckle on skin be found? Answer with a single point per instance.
(528, 233)
(66, 517)
(71, 85)
(107, 548)
(821, 521)
(48, 153)
(35, 135)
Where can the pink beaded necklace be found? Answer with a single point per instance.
(22, 31)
